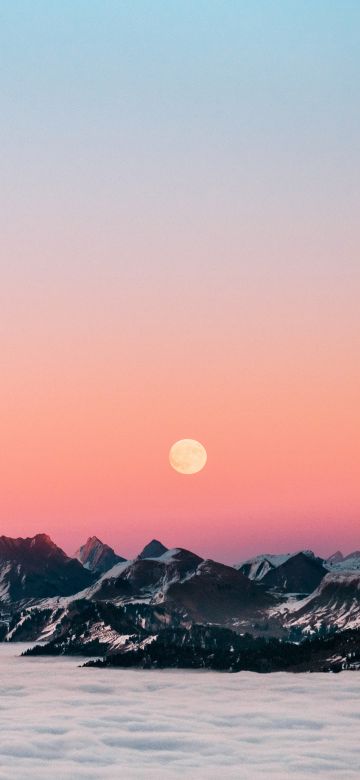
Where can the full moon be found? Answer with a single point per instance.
(187, 456)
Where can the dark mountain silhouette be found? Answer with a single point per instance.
(153, 550)
(299, 574)
(218, 594)
(35, 568)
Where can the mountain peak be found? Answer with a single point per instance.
(97, 556)
(256, 568)
(300, 573)
(43, 540)
(354, 554)
(336, 557)
(153, 549)
(94, 540)
(38, 545)
(35, 567)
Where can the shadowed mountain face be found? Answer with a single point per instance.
(257, 567)
(153, 550)
(182, 581)
(256, 570)
(97, 556)
(149, 577)
(217, 593)
(299, 574)
(36, 568)
(334, 604)
(30, 551)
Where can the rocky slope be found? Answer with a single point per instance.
(34, 568)
(343, 563)
(289, 572)
(97, 556)
(334, 604)
(300, 573)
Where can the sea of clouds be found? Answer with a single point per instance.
(61, 722)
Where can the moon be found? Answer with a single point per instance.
(187, 456)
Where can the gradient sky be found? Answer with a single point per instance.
(180, 258)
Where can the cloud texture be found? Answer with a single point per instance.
(61, 722)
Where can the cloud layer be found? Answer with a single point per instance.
(63, 722)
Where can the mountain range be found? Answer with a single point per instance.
(99, 603)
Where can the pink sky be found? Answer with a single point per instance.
(181, 259)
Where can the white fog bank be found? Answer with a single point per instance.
(60, 722)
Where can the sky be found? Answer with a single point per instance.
(180, 259)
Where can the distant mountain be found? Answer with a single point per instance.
(35, 568)
(146, 578)
(183, 583)
(153, 550)
(97, 556)
(334, 604)
(256, 568)
(300, 573)
(334, 558)
(216, 593)
(341, 563)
